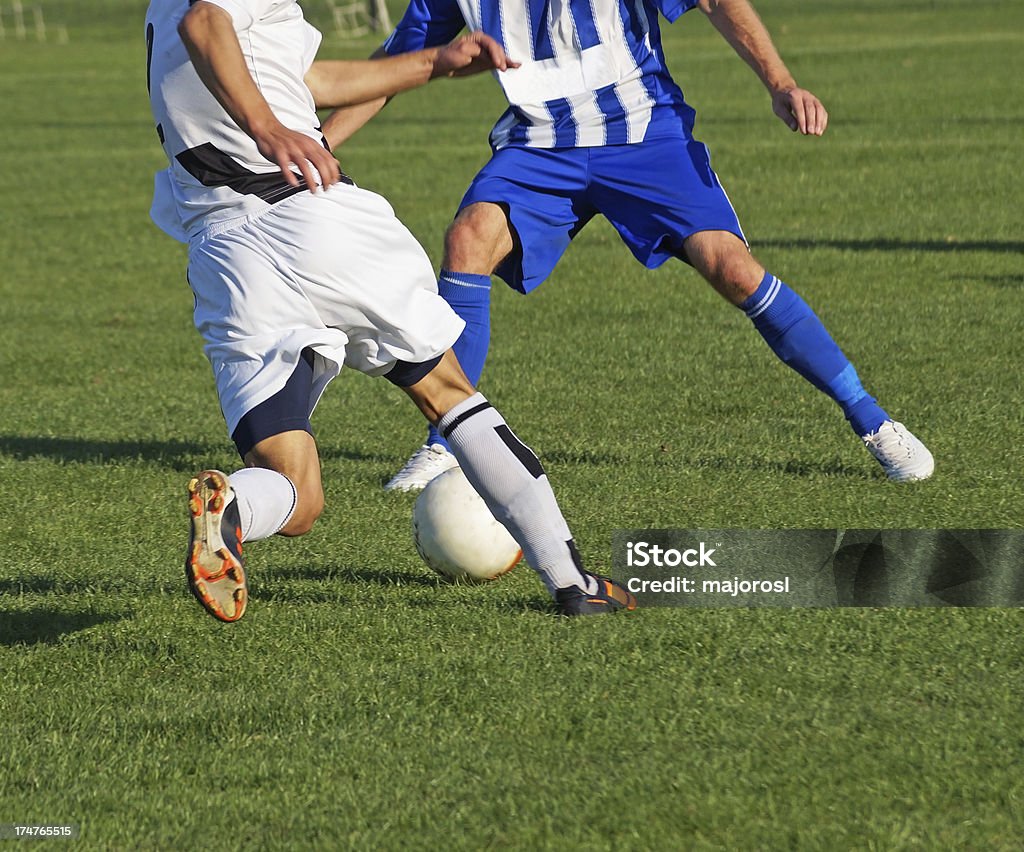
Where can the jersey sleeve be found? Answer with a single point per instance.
(426, 23)
(672, 9)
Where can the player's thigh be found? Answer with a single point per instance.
(258, 326)
(365, 274)
(345, 246)
(657, 194)
(543, 194)
(241, 287)
(295, 455)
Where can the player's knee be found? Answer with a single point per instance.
(309, 505)
(477, 240)
(465, 252)
(740, 274)
(725, 261)
(734, 273)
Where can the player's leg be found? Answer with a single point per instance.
(800, 340)
(787, 324)
(511, 480)
(665, 201)
(476, 242)
(279, 492)
(271, 356)
(516, 220)
(376, 287)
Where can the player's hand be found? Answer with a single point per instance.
(800, 110)
(471, 54)
(289, 148)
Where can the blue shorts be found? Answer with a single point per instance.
(656, 194)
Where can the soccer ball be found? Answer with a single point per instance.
(457, 535)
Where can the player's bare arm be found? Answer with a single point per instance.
(742, 28)
(338, 83)
(359, 90)
(343, 123)
(209, 36)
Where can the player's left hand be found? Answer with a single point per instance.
(471, 54)
(800, 110)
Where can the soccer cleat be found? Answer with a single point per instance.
(428, 462)
(902, 456)
(214, 565)
(609, 597)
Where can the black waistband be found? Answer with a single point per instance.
(212, 167)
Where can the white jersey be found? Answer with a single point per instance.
(217, 176)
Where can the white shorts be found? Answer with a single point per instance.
(336, 272)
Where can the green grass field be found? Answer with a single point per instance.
(362, 704)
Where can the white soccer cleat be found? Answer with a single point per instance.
(428, 462)
(902, 456)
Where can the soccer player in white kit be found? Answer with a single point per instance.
(296, 272)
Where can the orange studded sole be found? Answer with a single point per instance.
(215, 575)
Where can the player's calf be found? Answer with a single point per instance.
(504, 472)
(511, 480)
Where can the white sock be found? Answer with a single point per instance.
(507, 474)
(266, 500)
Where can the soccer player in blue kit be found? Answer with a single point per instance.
(596, 125)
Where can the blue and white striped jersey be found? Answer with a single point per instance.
(593, 71)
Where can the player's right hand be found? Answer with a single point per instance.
(291, 150)
(800, 110)
(471, 54)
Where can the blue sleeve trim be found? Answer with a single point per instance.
(426, 23)
(673, 9)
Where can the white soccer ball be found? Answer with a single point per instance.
(457, 535)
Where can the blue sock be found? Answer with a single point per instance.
(470, 297)
(797, 336)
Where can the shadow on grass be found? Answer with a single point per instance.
(791, 467)
(318, 584)
(176, 455)
(30, 585)
(183, 456)
(348, 575)
(543, 605)
(587, 457)
(941, 246)
(993, 280)
(46, 626)
(88, 585)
